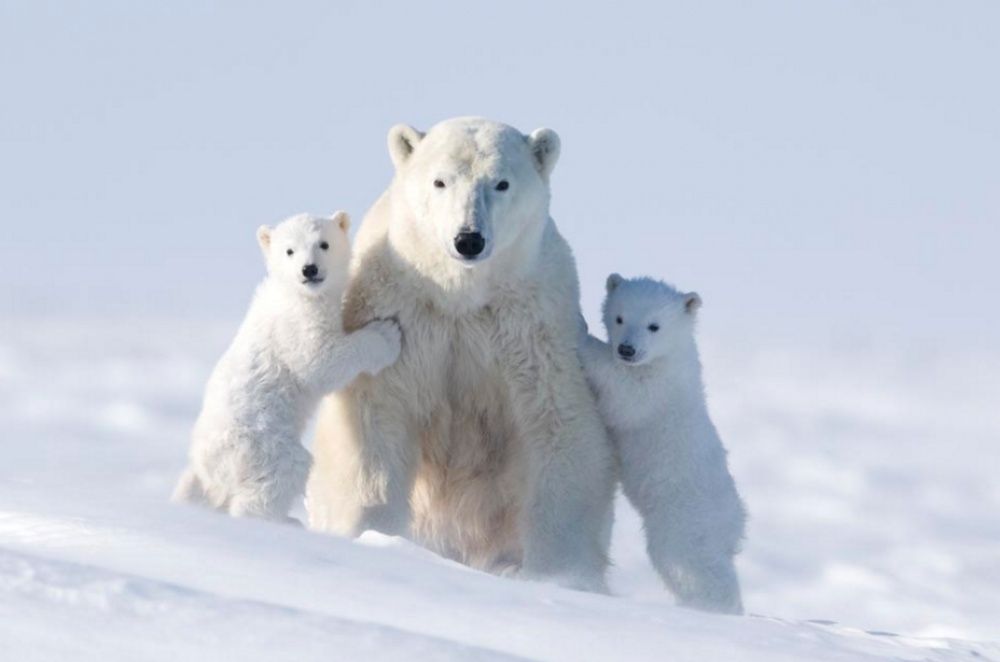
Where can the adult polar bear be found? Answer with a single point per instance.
(483, 441)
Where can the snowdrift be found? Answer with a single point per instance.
(873, 531)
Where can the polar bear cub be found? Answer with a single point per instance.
(246, 455)
(648, 383)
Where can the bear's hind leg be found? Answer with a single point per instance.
(705, 584)
(694, 561)
(189, 489)
(271, 492)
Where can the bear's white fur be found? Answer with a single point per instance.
(483, 442)
(246, 455)
(673, 465)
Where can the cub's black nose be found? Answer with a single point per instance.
(310, 270)
(626, 351)
(469, 244)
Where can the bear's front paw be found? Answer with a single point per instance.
(392, 338)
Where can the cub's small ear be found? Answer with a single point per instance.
(264, 238)
(692, 302)
(545, 145)
(402, 141)
(614, 280)
(342, 219)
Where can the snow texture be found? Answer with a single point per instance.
(866, 472)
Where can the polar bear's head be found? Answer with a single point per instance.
(308, 254)
(471, 188)
(647, 319)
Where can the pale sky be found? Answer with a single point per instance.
(813, 169)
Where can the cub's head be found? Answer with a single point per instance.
(647, 319)
(308, 253)
(471, 187)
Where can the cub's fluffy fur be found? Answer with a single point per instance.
(246, 455)
(673, 466)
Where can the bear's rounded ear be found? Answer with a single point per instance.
(544, 144)
(692, 302)
(402, 141)
(342, 219)
(614, 280)
(264, 238)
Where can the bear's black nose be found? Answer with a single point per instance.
(626, 351)
(469, 244)
(310, 270)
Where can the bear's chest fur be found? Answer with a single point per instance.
(462, 361)
(471, 479)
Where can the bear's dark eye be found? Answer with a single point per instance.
(503, 185)
(654, 327)
(324, 245)
(618, 319)
(438, 183)
(289, 252)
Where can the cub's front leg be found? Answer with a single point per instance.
(269, 475)
(376, 346)
(370, 350)
(597, 362)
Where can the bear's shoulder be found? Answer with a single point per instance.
(556, 267)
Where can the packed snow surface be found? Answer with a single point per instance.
(869, 473)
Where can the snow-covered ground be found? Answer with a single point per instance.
(869, 471)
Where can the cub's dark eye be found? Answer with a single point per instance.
(324, 245)
(653, 327)
(438, 183)
(503, 185)
(618, 320)
(289, 252)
